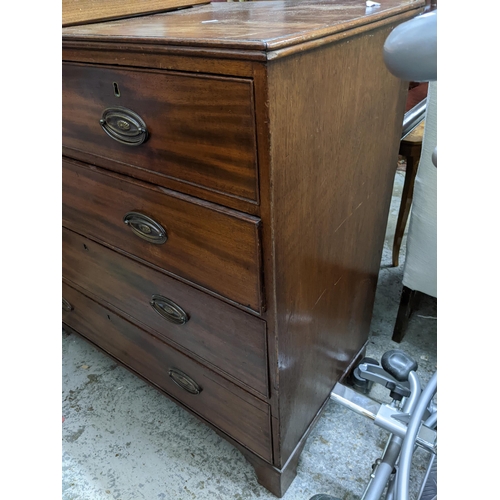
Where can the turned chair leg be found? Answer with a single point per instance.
(411, 148)
(409, 301)
(404, 209)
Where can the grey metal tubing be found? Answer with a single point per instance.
(410, 51)
(432, 420)
(384, 419)
(413, 117)
(384, 470)
(355, 401)
(403, 476)
(391, 489)
(416, 391)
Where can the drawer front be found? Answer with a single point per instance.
(200, 129)
(242, 416)
(230, 339)
(213, 247)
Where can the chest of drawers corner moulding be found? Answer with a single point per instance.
(254, 200)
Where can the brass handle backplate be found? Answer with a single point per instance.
(183, 381)
(145, 227)
(168, 310)
(66, 305)
(124, 126)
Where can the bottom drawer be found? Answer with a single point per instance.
(242, 416)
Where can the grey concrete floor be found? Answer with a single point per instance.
(123, 440)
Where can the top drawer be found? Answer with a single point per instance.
(200, 129)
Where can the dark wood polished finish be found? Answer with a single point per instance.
(212, 247)
(408, 302)
(228, 339)
(87, 11)
(331, 200)
(411, 148)
(260, 26)
(237, 413)
(302, 253)
(201, 128)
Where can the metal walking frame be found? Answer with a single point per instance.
(411, 420)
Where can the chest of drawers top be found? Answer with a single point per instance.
(251, 30)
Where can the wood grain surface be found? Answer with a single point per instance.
(267, 25)
(214, 248)
(88, 11)
(201, 128)
(229, 339)
(334, 132)
(242, 416)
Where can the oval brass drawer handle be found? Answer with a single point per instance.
(183, 381)
(66, 305)
(168, 309)
(124, 126)
(145, 227)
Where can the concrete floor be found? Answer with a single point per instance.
(123, 440)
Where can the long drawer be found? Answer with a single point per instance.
(225, 336)
(210, 246)
(242, 416)
(198, 129)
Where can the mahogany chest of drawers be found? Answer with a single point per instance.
(227, 175)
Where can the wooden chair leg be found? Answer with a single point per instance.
(409, 299)
(412, 160)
